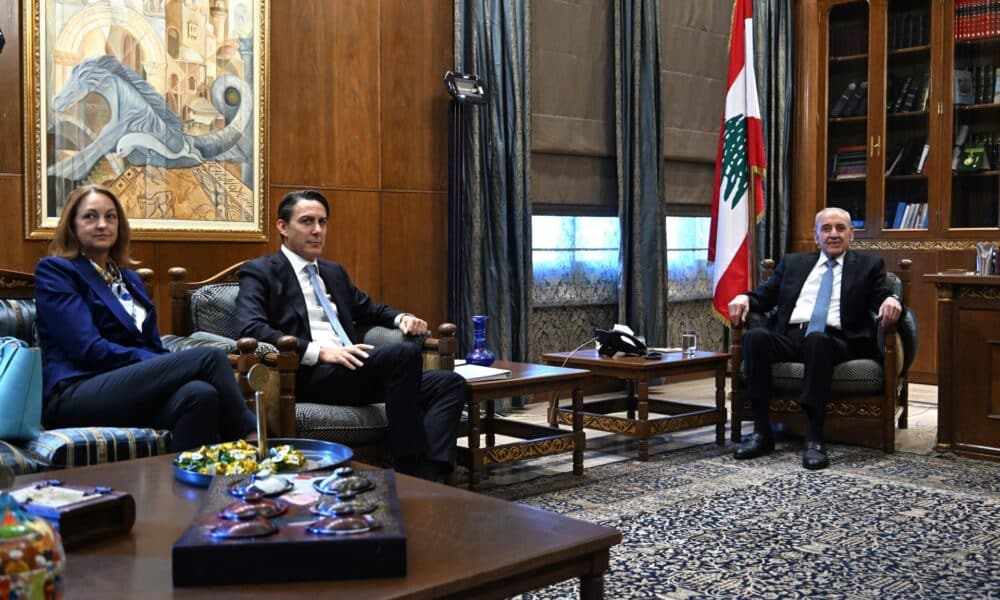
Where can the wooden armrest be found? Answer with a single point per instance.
(285, 362)
(444, 347)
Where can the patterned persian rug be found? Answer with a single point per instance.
(698, 524)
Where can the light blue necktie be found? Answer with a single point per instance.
(817, 322)
(331, 315)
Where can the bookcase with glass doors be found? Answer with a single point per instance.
(898, 122)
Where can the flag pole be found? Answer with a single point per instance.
(753, 269)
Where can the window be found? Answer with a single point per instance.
(689, 276)
(575, 260)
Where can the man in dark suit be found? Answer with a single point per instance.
(295, 292)
(824, 303)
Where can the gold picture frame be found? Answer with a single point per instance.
(150, 98)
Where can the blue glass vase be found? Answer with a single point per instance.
(480, 355)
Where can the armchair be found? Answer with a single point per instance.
(869, 396)
(205, 310)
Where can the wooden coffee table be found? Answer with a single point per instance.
(637, 405)
(459, 544)
(538, 440)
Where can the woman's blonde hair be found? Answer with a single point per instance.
(65, 242)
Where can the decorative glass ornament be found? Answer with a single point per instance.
(480, 355)
(31, 552)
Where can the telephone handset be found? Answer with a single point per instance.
(611, 342)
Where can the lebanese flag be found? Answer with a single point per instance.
(739, 167)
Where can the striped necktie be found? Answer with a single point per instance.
(331, 314)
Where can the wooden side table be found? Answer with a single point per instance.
(539, 440)
(637, 405)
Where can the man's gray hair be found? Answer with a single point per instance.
(831, 209)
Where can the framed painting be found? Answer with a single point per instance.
(162, 101)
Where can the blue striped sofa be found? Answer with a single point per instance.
(70, 447)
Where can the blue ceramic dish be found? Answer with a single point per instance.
(319, 455)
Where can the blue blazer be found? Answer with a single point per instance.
(82, 327)
(270, 303)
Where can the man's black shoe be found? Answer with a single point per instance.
(757, 445)
(814, 456)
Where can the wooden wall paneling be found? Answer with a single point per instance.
(415, 254)
(921, 299)
(353, 236)
(807, 168)
(323, 87)
(11, 158)
(16, 253)
(416, 50)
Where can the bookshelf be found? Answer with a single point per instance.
(928, 125)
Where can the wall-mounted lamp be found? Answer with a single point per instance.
(465, 87)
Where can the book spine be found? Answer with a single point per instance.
(925, 92)
(857, 105)
(897, 104)
(923, 158)
(841, 103)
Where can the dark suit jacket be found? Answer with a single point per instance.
(270, 302)
(863, 287)
(82, 327)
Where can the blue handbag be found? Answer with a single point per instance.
(20, 390)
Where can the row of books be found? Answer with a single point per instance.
(852, 101)
(849, 162)
(909, 158)
(978, 85)
(909, 29)
(908, 93)
(908, 215)
(975, 19)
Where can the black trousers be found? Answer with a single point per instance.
(423, 408)
(192, 393)
(819, 352)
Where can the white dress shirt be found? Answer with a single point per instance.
(323, 335)
(320, 328)
(807, 297)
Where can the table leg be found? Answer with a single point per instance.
(642, 427)
(554, 410)
(592, 587)
(474, 432)
(630, 401)
(578, 439)
(491, 413)
(720, 402)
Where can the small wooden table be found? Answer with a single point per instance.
(459, 544)
(637, 371)
(539, 440)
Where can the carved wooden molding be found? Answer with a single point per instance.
(506, 454)
(14, 282)
(881, 244)
(989, 293)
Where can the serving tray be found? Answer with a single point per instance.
(319, 455)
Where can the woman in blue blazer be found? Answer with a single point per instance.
(103, 362)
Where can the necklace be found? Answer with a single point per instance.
(112, 275)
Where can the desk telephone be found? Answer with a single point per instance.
(612, 342)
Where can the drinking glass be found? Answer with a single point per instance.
(689, 342)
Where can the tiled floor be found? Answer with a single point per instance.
(603, 448)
